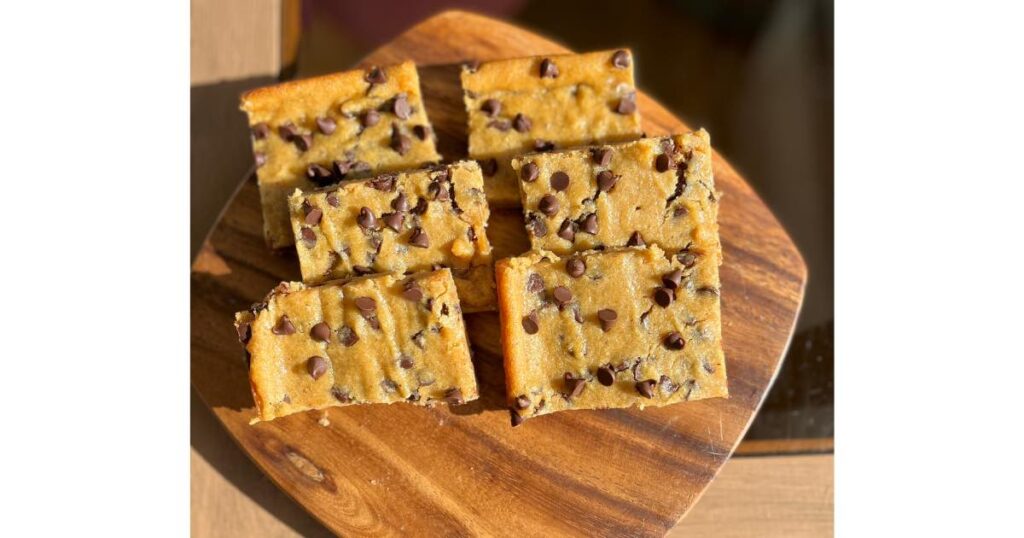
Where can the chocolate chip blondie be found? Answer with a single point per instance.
(543, 103)
(317, 131)
(610, 329)
(404, 222)
(376, 339)
(654, 190)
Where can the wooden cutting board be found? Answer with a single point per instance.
(406, 470)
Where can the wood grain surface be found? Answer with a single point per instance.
(401, 470)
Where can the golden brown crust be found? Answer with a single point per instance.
(504, 298)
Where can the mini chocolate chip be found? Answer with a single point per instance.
(400, 203)
(515, 419)
(491, 107)
(321, 332)
(316, 366)
(548, 69)
(383, 182)
(332, 199)
(288, 131)
(347, 336)
(326, 125)
(620, 59)
(529, 172)
(576, 314)
(548, 205)
(419, 238)
(362, 270)
(636, 240)
(686, 258)
(366, 219)
(573, 385)
(589, 224)
(661, 163)
(400, 143)
(401, 107)
(607, 317)
(559, 181)
(260, 131)
(543, 145)
(412, 292)
(562, 295)
(471, 65)
(489, 167)
(375, 75)
(360, 166)
(536, 225)
(341, 168)
(663, 296)
(244, 332)
(627, 105)
(319, 175)
(454, 396)
(283, 327)
(308, 237)
(522, 402)
(606, 180)
(303, 142)
(500, 124)
(575, 266)
(438, 190)
(521, 123)
(370, 118)
(530, 323)
(646, 388)
(674, 341)
(405, 362)
(421, 131)
(388, 386)
(341, 395)
(672, 279)
(393, 220)
(471, 234)
(314, 216)
(680, 211)
(601, 156)
(535, 283)
(567, 230)
(606, 375)
(260, 158)
(365, 304)
(421, 207)
(444, 309)
(287, 399)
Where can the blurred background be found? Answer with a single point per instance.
(757, 74)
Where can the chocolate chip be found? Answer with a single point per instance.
(471, 65)
(687, 259)
(419, 238)
(260, 131)
(601, 156)
(405, 362)
(421, 131)
(515, 419)
(319, 175)
(341, 168)
(559, 181)
(500, 124)
(412, 292)
(680, 211)
(531, 323)
(606, 180)
(303, 142)
(244, 332)
(288, 131)
(332, 199)
(321, 332)
(606, 375)
(521, 123)
(393, 220)
(543, 145)
(548, 205)
(522, 402)
(438, 190)
(347, 336)
(400, 203)
(454, 396)
(313, 216)
(562, 295)
(663, 296)
(287, 399)
(471, 234)
(316, 366)
(646, 388)
(620, 59)
(421, 207)
(260, 158)
(383, 182)
(375, 75)
(589, 224)
(400, 143)
(530, 172)
(573, 385)
(673, 279)
(283, 327)
(575, 267)
(370, 118)
(536, 225)
(341, 395)
(674, 341)
(362, 270)
(636, 240)
(669, 146)
(401, 107)
(365, 304)
(661, 163)
(366, 219)
(360, 166)
(607, 317)
(548, 69)
(388, 386)
(491, 107)
(535, 283)
(444, 309)
(567, 230)
(326, 125)
(489, 167)
(308, 237)
(627, 105)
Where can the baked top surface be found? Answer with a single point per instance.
(368, 126)
(404, 222)
(514, 108)
(659, 188)
(410, 346)
(554, 337)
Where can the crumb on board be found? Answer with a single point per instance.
(324, 420)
